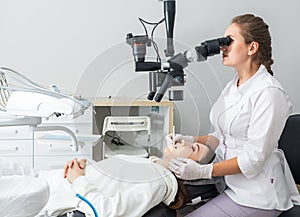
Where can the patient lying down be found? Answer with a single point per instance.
(119, 186)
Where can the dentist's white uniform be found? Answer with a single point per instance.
(248, 121)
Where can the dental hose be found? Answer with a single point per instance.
(89, 203)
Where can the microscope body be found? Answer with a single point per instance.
(171, 73)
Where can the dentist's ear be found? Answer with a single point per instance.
(253, 48)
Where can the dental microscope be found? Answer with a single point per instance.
(162, 75)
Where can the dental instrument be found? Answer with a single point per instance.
(173, 135)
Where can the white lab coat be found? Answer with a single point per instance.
(121, 186)
(248, 121)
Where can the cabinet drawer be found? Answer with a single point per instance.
(56, 149)
(12, 132)
(16, 147)
(77, 128)
(54, 162)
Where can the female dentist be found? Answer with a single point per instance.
(248, 119)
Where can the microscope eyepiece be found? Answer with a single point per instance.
(211, 47)
(225, 41)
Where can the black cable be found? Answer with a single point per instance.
(156, 50)
(162, 20)
(152, 32)
(154, 44)
(116, 139)
(110, 135)
(150, 23)
(142, 22)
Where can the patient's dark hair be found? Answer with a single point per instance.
(181, 196)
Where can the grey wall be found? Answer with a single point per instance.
(80, 46)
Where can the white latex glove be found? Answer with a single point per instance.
(178, 138)
(188, 169)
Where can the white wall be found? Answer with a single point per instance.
(80, 46)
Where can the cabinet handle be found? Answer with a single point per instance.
(9, 148)
(9, 132)
(56, 165)
(60, 147)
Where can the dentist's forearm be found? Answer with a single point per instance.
(227, 167)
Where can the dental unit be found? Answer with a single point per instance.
(27, 103)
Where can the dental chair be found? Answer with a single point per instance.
(290, 144)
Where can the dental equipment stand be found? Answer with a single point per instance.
(59, 128)
(26, 103)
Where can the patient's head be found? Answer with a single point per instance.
(195, 151)
(184, 149)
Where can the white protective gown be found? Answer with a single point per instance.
(248, 121)
(123, 186)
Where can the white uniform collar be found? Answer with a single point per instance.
(245, 86)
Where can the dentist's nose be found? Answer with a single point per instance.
(223, 48)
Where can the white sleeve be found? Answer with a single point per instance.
(270, 110)
(135, 201)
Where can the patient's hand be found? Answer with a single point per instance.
(74, 169)
(69, 164)
(82, 163)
